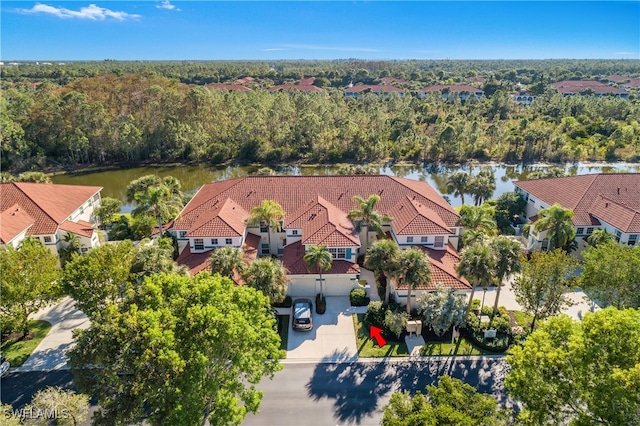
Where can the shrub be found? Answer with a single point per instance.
(375, 314)
(286, 303)
(358, 297)
(501, 325)
(321, 304)
(475, 305)
(396, 322)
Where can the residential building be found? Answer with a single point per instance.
(598, 201)
(228, 87)
(377, 89)
(301, 87)
(450, 92)
(316, 209)
(48, 212)
(523, 97)
(577, 87)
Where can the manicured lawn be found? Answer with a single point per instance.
(367, 348)
(460, 346)
(523, 319)
(283, 330)
(17, 351)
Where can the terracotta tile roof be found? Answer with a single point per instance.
(80, 227)
(322, 223)
(228, 87)
(443, 270)
(293, 192)
(301, 87)
(411, 217)
(376, 88)
(577, 86)
(293, 260)
(13, 221)
(227, 219)
(49, 205)
(618, 78)
(632, 84)
(250, 246)
(245, 80)
(453, 88)
(586, 195)
(306, 81)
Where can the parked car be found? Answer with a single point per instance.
(302, 318)
(4, 366)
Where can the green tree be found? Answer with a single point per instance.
(268, 276)
(382, 257)
(611, 274)
(600, 236)
(9, 416)
(509, 205)
(154, 258)
(442, 309)
(482, 186)
(106, 212)
(579, 373)
(458, 184)
(226, 260)
(450, 403)
(35, 177)
(28, 281)
(170, 353)
(71, 247)
(318, 259)
(268, 213)
(557, 222)
(158, 202)
(365, 214)
(71, 408)
(100, 277)
(414, 270)
(478, 222)
(477, 264)
(508, 261)
(544, 280)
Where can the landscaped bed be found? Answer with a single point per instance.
(367, 348)
(283, 330)
(17, 350)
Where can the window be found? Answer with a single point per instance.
(198, 244)
(439, 241)
(409, 239)
(83, 250)
(633, 239)
(264, 248)
(338, 253)
(618, 235)
(228, 241)
(47, 239)
(182, 234)
(424, 239)
(294, 232)
(214, 241)
(589, 231)
(264, 227)
(580, 231)
(545, 245)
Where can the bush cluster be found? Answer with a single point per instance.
(359, 297)
(286, 303)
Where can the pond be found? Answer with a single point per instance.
(193, 177)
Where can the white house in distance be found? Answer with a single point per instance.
(451, 92)
(316, 210)
(598, 201)
(48, 212)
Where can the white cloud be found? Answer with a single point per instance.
(272, 49)
(92, 12)
(625, 53)
(166, 4)
(339, 49)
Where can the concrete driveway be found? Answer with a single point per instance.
(332, 337)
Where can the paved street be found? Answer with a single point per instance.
(355, 393)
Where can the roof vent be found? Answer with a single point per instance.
(618, 190)
(606, 205)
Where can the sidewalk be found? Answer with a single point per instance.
(50, 353)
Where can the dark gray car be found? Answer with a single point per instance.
(302, 319)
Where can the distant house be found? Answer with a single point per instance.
(618, 78)
(633, 84)
(577, 87)
(48, 212)
(598, 201)
(228, 87)
(380, 90)
(523, 97)
(308, 88)
(316, 210)
(452, 91)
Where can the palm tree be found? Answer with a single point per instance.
(72, 246)
(226, 260)
(382, 257)
(366, 215)
(414, 270)
(269, 276)
(478, 222)
(458, 183)
(159, 202)
(557, 221)
(507, 253)
(269, 212)
(599, 236)
(477, 265)
(320, 259)
(482, 186)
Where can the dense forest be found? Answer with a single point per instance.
(132, 112)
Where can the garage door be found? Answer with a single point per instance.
(302, 287)
(337, 287)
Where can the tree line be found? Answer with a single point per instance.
(107, 116)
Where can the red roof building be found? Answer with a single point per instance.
(380, 90)
(576, 87)
(452, 91)
(228, 87)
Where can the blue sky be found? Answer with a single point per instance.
(210, 30)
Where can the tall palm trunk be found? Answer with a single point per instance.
(473, 291)
(495, 304)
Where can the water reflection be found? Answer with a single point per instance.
(193, 177)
